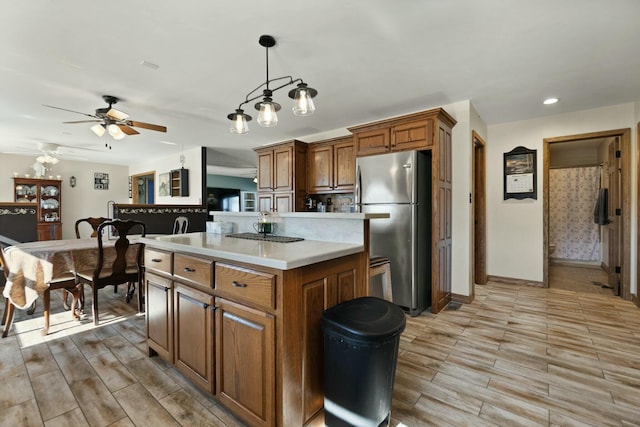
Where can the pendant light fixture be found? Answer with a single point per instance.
(268, 109)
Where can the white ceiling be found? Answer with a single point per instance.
(368, 59)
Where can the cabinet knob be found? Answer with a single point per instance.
(189, 270)
(238, 284)
(156, 260)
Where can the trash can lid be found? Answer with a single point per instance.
(365, 318)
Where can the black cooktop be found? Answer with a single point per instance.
(267, 238)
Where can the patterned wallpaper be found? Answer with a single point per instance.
(572, 197)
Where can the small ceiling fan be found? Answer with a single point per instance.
(111, 120)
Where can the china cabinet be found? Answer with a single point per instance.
(45, 193)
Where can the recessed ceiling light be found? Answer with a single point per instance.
(550, 101)
(169, 143)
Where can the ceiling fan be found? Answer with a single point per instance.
(111, 120)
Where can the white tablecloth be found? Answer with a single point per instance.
(33, 265)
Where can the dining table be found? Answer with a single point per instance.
(33, 265)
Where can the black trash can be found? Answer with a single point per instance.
(361, 340)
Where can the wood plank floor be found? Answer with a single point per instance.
(515, 356)
(522, 356)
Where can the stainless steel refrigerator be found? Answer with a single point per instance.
(400, 184)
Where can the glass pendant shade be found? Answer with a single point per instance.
(239, 121)
(303, 103)
(98, 129)
(268, 117)
(302, 96)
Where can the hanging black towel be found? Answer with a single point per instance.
(601, 211)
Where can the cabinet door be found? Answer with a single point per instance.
(283, 202)
(412, 136)
(320, 168)
(344, 167)
(323, 292)
(159, 298)
(265, 202)
(49, 231)
(265, 170)
(372, 142)
(193, 335)
(283, 168)
(245, 368)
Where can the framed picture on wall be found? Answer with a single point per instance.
(520, 167)
(164, 188)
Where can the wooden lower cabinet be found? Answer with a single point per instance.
(276, 202)
(320, 290)
(245, 368)
(50, 231)
(193, 335)
(159, 315)
(252, 336)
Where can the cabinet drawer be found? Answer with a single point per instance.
(158, 260)
(194, 269)
(248, 285)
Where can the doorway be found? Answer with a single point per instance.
(143, 188)
(619, 166)
(479, 245)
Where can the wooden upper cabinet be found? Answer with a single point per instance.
(320, 168)
(376, 141)
(411, 132)
(282, 174)
(331, 166)
(412, 136)
(283, 166)
(265, 170)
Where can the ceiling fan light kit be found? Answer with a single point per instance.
(112, 121)
(267, 109)
(98, 129)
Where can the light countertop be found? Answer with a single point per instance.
(310, 215)
(283, 256)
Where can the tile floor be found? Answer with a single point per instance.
(81, 375)
(516, 355)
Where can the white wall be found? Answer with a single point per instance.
(461, 213)
(79, 202)
(160, 165)
(514, 227)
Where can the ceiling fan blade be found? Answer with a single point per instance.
(71, 111)
(128, 130)
(117, 114)
(146, 126)
(85, 121)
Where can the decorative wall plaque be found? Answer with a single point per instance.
(100, 181)
(520, 174)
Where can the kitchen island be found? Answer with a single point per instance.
(241, 318)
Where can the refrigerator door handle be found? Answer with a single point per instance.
(358, 188)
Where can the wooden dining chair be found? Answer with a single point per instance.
(94, 222)
(180, 225)
(67, 282)
(7, 314)
(126, 266)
